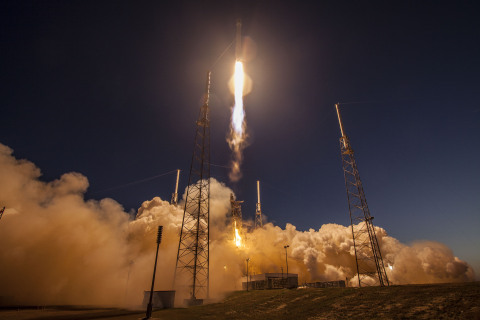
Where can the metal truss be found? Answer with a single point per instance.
(193, 248)
(236, 207)
(367, 251)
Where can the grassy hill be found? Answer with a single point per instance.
(439, 301)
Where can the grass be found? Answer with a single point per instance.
(438, 301)
(444, 301)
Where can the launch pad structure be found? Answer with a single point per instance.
(193, 257)
(368, 257)
(258, 211)
(237, 222)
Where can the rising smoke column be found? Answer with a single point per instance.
(237, 136)
(58, 248)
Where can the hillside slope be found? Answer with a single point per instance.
(448, 301)
(437, 301)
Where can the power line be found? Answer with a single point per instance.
(135, 182)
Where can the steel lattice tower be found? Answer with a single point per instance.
(258, 211)
(367, 251)
(193, 247)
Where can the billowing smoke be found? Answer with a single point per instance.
(58, 248)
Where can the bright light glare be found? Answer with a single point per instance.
(238, 239)
(238, 112)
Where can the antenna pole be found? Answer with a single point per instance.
(340, 120)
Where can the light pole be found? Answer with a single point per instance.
(148, 314)
(248, 259)
(286, 260)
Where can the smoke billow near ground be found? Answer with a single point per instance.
(58, 248)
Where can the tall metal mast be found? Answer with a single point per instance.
(367, 251)
(174, 200)
(258, 212)
(192, 266)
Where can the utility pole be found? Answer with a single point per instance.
(148, 314)
(367, 251)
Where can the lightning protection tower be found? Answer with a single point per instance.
(192, 266)
(174, 200)
(367, 251)
(258, 212)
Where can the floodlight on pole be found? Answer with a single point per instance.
(148, 314)
(286, 260)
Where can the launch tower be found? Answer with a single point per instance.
(367, 251)
(258, 212)
(193, 248)
(236, 207)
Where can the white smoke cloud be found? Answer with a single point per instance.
(58, 248)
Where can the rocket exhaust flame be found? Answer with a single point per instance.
(238, 114)
(238, 239)
(237, 137)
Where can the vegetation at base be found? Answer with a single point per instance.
(435, 301)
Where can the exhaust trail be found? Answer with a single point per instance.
(237, 137)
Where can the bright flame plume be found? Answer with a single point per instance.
(237, 136)
(238, 239)
(238, 115)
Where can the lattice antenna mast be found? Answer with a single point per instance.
(367, 251)
(258, 212)
(174, 200)
(193, 257)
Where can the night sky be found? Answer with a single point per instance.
(112, 89)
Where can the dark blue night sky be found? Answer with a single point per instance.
(112, 89)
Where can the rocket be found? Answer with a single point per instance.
(238, 41)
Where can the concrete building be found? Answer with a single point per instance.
(270, 281)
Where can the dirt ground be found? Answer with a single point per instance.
(439, 301)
